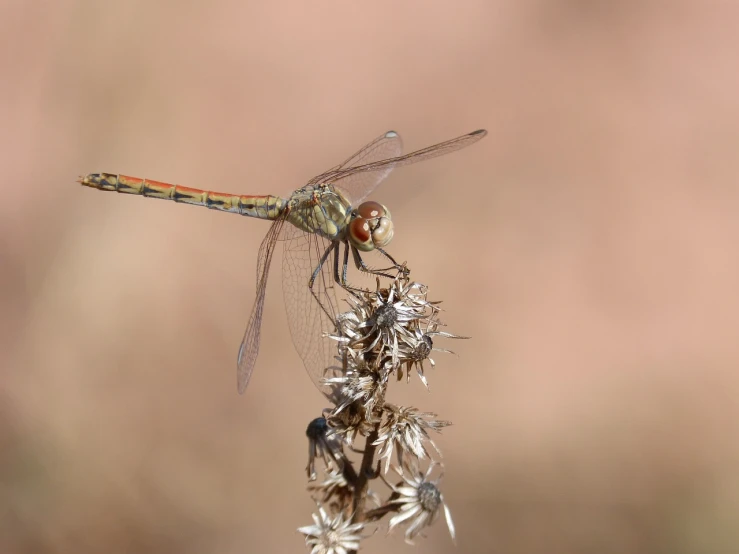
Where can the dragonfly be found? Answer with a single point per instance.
(320, 225)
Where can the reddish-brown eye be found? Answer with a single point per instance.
(371, 210)
(360, 231)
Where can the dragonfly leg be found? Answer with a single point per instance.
(345, 267)
(340, 276)
(322, 261)
(361, 266)
(315, 274)
(398, 267)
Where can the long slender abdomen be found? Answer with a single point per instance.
(263, 207)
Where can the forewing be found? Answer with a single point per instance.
(388, 145)
(249, 348)
(355, 179)
(311, 313)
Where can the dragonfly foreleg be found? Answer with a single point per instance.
(399, 267)
(361, 266)
(340, 276)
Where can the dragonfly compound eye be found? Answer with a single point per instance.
(360, 234)
(382, 234)
(371, 210)
(371, 226)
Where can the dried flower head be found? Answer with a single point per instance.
(405, 430)
(332, 535)
(388, 328)
(420, 502)
(334, 491)
(349, 420)
(322, 444)
(376, 320)
(360, 383)
(417, 346)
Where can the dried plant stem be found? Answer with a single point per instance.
(366, 470)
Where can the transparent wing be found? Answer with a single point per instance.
(358, 181)
(311, 313)
(388, 145)
(249, 348)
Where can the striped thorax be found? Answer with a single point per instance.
(320, 209)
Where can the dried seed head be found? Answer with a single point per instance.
(360, 383)
(389, 327)
(416, 346)
(350, 421)
(429, 497)
(317, 429)
(385, 316)
(332, 535)
(334, 491)
(423, 348)
(420, 502)
(405, 431)
(322, 444)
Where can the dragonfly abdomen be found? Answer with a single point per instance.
(262, 207)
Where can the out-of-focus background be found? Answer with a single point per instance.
(589, 245)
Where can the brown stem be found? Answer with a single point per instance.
(365, 471)
(349, 474)
(379, 513)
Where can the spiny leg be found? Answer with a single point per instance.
(340, 277)
(345, 267)
(361, 266)
(398, 267)
(333, 247)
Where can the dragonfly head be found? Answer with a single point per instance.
(370, 227)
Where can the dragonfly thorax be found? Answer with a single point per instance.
(370, 226)
(320, 209)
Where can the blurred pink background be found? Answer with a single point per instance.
(589, 245)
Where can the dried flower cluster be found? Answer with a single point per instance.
(385, 335)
